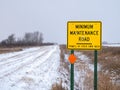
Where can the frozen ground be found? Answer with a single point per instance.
(30, 69)
(38, 69)
(83, 72)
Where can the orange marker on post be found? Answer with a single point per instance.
(72, 58)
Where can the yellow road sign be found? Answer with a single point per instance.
(85, 35)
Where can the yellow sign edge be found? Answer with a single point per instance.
(86, 22)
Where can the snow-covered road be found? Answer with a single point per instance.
(30, 69)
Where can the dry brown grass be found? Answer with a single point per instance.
(57, 86)
(7, 50)
(105, 83)
(13, 49)
(109, 58)
(62, 57)
(64, 49)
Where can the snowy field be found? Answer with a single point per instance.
(111, 45)
(38, 69)
(30, 69)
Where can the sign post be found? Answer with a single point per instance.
(72, 74)
(84, 35)
(72, 60)
(72, 77)
(95, 70)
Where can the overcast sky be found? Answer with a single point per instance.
(50, 17)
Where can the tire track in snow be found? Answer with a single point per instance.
(19, 55)
(18, 64)
(38, 65)
(36, 73)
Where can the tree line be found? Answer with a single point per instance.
(29, 39)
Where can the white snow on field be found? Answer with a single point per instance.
(82, 69)
(30, 69)
(111, 45)
(87, 61)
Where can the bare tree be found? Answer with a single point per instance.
(27, 38)
(40, 38)
(35, 38)
(11, 39)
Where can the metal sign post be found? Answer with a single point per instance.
(72, 74)
(72, 59)
(72, 77)
(95, 70)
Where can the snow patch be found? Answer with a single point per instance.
(31, 69)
